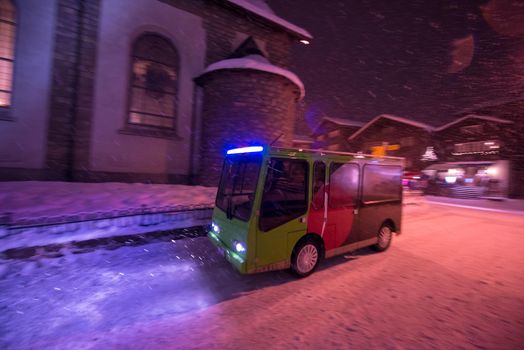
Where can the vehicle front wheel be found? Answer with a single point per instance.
(305, 258)
(385, 235)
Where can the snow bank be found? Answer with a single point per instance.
(27, 200)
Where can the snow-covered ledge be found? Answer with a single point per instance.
(257, 62)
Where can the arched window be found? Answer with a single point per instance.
(7, 50)
(153, 82)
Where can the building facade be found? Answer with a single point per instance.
(99, 90)
(394, 136)
(333, 133)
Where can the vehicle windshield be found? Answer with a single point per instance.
(238, 182)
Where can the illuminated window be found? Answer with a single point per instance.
(490, 146)
(7, 50)
(153, 82)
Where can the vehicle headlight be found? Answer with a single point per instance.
(239, 247)
(215, 228)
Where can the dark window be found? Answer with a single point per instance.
(319, 178)
(343, 185)
(153, 82)
(285, 192)
(7, 50)
(471, 129)
(381, 183)
(238, 183)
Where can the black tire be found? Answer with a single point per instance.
(303, 261)
(385, 236)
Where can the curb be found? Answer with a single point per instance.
(94, 226)
(516, 212)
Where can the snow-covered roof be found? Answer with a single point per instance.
(302, 139)
(395, 118)
(256, 62)
(341, 121)
(260, 8)
(474, 116)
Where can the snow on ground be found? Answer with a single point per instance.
(453, 279)
(30, 199)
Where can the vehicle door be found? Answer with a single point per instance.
(342, 202)
(381, 198)
(317, 215)
(283, 209)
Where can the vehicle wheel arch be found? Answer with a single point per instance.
(315, 237)
(304, 258)
(389, 222)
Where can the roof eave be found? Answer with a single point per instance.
(289, 27)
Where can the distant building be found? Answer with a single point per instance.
(303, 141)
(491, 133)
(394, 136)
(332, 133)
(475, 153)
(142, 90)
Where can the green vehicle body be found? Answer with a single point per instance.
(272, 249)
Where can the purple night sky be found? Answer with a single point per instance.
(421, 59)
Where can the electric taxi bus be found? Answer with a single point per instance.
(279, 208)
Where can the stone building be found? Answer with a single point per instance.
(119, 90)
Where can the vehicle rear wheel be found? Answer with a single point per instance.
(385, 235)
(305, 257)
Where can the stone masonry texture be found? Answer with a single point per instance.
(243, 107)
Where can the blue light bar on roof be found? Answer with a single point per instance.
(251, 149)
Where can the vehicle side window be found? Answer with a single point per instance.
(343, 185)
(319, 178)
(381, 183)
(285, 192)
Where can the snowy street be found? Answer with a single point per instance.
(452, 279)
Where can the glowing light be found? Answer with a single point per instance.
(251, 149)
(489, 143)
(239, 247)
(450, 179)
(215, 228)
(453, 172)
(491, 171)
(304, 41)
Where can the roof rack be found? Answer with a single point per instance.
(364, 155)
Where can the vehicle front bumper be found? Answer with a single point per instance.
(233, 257)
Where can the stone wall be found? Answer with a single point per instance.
(227, 26)
(243, 107)
(71, 105)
